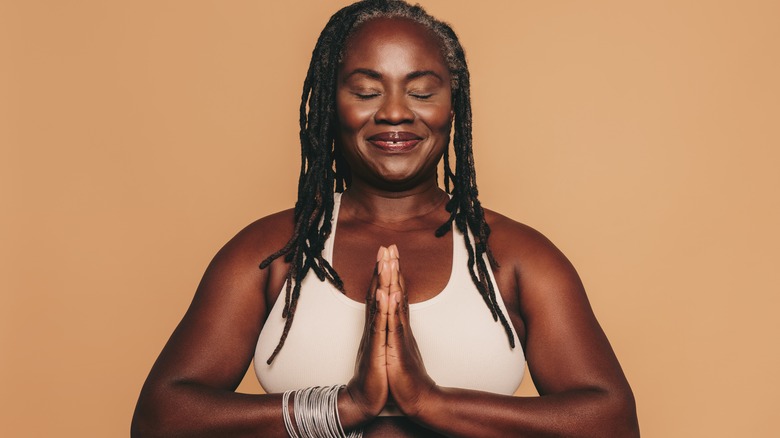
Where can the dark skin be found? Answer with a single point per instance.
(393, 78)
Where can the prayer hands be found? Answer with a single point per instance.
(389, 365)
(408, 381)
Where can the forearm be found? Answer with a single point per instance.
(195, 410)
(578, 413)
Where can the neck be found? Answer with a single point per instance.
(376, 206)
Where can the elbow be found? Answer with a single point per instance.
(141, 427)
(149, 420)
(622, 418)
(611, 413)
(144, 426)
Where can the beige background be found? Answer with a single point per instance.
(641, 137)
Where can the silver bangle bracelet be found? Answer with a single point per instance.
(286, 415)
(316, 413)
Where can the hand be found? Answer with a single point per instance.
(410, 385)
(368, 389)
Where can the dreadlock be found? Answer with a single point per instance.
(323, 169)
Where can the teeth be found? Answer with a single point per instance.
(395, 143)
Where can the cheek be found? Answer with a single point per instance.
(439, 116)
(352, 116)
(438, 119)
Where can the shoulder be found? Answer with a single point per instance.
(536, 263)
(264, 236)
(237, 262)
(268, 233)
(514, 240)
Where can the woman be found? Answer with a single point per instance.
(452, 312)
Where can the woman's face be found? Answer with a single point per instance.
(394, 104)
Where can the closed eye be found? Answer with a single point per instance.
(421, 96)
(366, 96)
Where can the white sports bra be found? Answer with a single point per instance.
(460, 343)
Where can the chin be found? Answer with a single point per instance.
(398, 182)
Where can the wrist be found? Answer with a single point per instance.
(352, 412)
(431, 402)
(315, 412)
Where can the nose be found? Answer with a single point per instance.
(394, 110)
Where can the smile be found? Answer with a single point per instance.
(395, 141)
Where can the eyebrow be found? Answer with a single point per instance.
(366, 72)
(419, 74)
(376, 75)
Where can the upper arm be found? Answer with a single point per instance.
(565, 347)
(215, 340)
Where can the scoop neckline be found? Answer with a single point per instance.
(357, 304)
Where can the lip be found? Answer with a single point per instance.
(395, 141)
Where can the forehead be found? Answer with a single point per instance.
(393, 40)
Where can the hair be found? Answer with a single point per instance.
(324, 170)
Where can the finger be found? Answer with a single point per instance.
(394, 323)
(370, 293)
(379, 328)
(403, 306)
(404, 296)
(382, 255)
(385, 274)
(394, 286)
(383, 282)
(374, 284)
(372, 305)
(378, 338)
(393, 251)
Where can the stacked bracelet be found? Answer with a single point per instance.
(316, 413)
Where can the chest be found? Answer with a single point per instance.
(427, 264)
(425, 260)
(460, 343)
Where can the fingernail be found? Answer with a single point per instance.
(380, 253)
(393, 251)
(397, 297)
